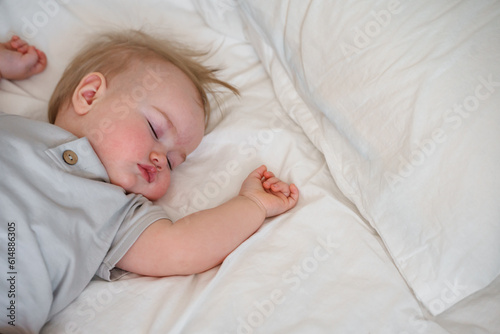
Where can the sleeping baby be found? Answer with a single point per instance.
(128, 110)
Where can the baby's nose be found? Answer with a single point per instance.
(159, 160)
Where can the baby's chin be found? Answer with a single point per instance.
(152, 194)
(151, 197)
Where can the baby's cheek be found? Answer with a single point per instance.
(124, 180)
(159, 190)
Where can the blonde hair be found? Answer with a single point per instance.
(114, 52)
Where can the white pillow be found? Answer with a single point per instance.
(402, 98)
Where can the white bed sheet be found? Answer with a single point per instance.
(402, 98)
(320, 268)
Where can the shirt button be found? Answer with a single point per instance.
(70, 157)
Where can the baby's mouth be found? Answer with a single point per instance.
(148, 172)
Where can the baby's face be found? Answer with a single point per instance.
(148, 122)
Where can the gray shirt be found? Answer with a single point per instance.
(61, 221)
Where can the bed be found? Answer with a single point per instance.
(386, 116)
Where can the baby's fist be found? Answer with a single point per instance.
(19, 60)
(269, 192)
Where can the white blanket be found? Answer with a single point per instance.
(402, 98)
(385, 116)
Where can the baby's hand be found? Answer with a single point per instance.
(270, 193)
(19, 60)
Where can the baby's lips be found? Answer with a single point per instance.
(148, 172)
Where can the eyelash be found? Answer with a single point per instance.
(152, 129)
(156, 136)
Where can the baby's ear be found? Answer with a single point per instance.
(91, 87)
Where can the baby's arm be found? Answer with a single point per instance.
(19, 60)
(202, 240)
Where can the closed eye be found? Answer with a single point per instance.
(153, 130)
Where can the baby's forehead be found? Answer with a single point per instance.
(145, 72)
(156, 80)
(139, 67)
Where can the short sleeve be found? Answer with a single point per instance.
(141, 214)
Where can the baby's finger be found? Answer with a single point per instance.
(42, 62)
(280, 187)
(31, 56)
(19, 44)
(269, 182)
(268, 174)
(260, 171)
(10, 44)
(294, 193)
(293, 197)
